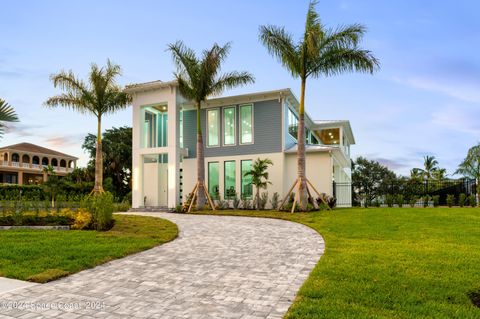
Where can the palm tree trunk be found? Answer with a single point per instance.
(200, 163)
(257, 195)
(302, 186)
(98, 188)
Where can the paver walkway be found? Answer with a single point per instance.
(219, 267)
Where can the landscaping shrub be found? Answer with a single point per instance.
(275, 201)
(400, 200)
(425, 200)
(122, 207)
(472, 200)
(330, 201)
(412, 201)
(462, 199)
(376, 202)
(263, 200)
(83, 219)
(222, 204)
(390, 200)
(101, 207)
(236, 202)
(436, 200)
(450, 200)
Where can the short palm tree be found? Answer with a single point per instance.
(320, 52)
(259, 177)
(7, 114)
(197, 80)
(430, 165)
(101, 95)
(470, 167)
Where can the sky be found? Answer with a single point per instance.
(425, 99)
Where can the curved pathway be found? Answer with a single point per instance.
(219, 267)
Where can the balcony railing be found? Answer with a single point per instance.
(36, 167)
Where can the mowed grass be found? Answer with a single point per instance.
(390, 263)
(44, 255)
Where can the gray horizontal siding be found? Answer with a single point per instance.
(267, 131)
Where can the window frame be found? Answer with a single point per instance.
(240, 126)
(218, 177)
(234, 107)
(242, 178)
(225, 177)
(208, 128)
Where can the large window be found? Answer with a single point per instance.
(213, 127)
(155, 126)
(229, 125)
(247, 188)
(292, 124)
(213, 179)
(229, 179)
(246, 124)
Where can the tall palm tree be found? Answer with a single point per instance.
(199, 78)
(430, 165)
(7, 114)
(259, 176)
(470, 167)
(101, 95)
(320, 52)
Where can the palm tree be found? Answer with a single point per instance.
(7, 114)
(199, 78)
(101, 95)
(259, 176)
(430, 165)
(470, 167)
(320, 52)
(439, 174)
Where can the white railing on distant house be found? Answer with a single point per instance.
(35, 166)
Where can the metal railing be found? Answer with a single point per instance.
(35, 166)
(411, 192)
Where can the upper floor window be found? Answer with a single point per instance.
(246, 124)
(292, 124)
(213, 127)
(229, 125)
(155, 126)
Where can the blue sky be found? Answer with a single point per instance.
(424, 100)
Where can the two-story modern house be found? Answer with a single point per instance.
(237, 130)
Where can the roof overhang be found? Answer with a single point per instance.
(345, 124)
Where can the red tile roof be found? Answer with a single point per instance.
(32, 148)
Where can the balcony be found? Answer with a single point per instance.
(35, 167)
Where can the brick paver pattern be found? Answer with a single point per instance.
(218, 267)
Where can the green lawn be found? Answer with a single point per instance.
(40, 256)
(390, 263)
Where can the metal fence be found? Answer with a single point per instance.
(412, 192)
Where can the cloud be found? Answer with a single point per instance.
(24, 130)
(468, 92)
(459, 119)
(64, 141)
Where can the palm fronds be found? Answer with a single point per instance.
(7, 114)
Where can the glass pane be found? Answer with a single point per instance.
(213, 180)
(246, 123)
(229, 179)
(292, 124)
(229, 125)
(213, 123)
(247, 188)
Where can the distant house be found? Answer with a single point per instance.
(237, 130)
(23, 163)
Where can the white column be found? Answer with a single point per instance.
(137, 173)
(173, 149)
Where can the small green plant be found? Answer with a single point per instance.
(462, 200)
(389, 200)
(179, 209)
(436, 200)
(101, 207)
(275, 201)
(236, 202)
(450, 200)
(400, 200)
(425, 200)
(263, 200)
(472, 200)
